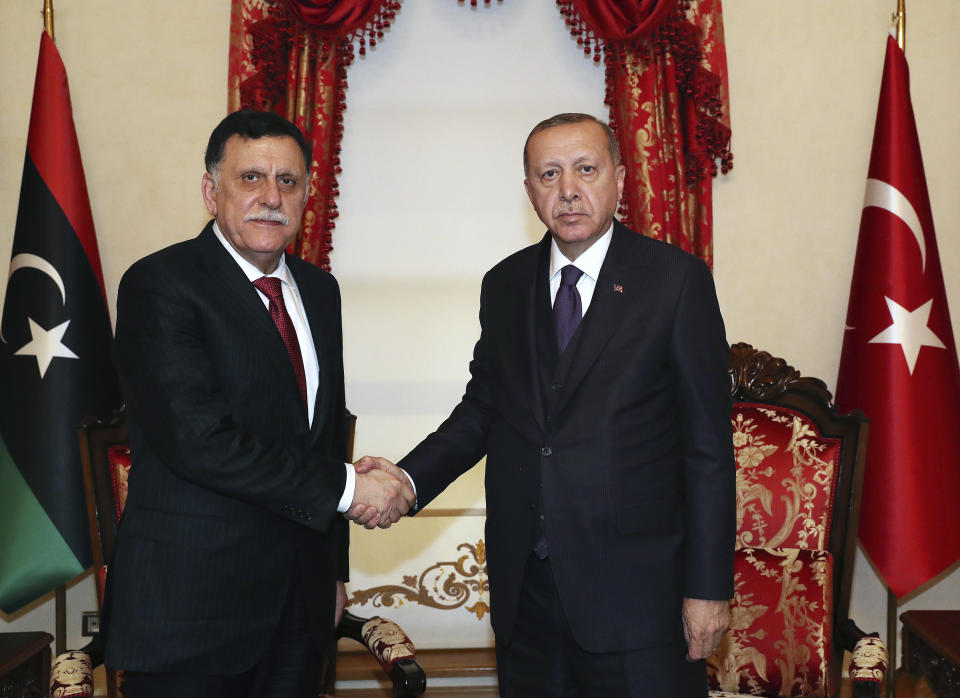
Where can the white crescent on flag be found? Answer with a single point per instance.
(32, 261)
(889, 198)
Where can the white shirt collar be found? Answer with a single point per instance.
(589, 262)
(281, 272)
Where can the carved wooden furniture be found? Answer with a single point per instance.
(931, 652)
(24, 664)
(799, 471)
(105, 453)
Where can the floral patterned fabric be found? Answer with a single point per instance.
(300, 71)
(666, 75)
(71, 675)
(387, 641)
(786, 478)
(780, 637)
(869, 660)
(118, 458)
(781, 634)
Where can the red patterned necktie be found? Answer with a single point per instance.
(271, 287)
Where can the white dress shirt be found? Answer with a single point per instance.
(294, 305)
(589, 262)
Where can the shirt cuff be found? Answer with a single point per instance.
(347, 499)
(413, 485)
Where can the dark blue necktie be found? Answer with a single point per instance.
(567, 309)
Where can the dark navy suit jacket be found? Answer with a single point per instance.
(233, 496)
(625, 448)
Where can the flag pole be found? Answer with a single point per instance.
(48, 18)
(60, 595)
(901, 19)
(891, 641)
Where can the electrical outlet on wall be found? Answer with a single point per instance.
(90, 624)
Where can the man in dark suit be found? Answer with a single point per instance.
(228, 574)
(610, 473)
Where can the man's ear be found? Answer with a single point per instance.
(208, 188)
(526, 185)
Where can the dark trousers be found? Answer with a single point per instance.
(291, 668)
(544, 660)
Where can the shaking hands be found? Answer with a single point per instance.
(382, 493)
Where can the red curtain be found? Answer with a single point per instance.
(666, 89)
(621, 20)
(667, 92)
(335, 18)
(291, 56)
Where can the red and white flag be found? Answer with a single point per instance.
(899, 360)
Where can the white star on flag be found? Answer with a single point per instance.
(45, 345)
(909, 330)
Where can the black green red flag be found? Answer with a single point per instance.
(55, 361)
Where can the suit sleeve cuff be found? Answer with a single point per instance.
(347, 499)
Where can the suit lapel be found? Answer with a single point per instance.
(241, 299)
(611, 299)
(538, 304)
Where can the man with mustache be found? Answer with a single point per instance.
(227, 579)
(599, 395)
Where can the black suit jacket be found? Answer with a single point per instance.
(626, 449)
(233, 496)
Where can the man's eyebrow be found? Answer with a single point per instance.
(578, 160)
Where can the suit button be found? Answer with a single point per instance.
(532, 506)
(308, 516)
(556, 386)
(546, 451)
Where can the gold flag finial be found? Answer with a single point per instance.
(900, 19)
(48, 17)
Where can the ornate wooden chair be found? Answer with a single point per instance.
(799, 475)
(105, 453)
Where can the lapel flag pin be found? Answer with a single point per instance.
(617, 288)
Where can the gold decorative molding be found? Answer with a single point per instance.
(443, 585)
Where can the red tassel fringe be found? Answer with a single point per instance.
(681, 38)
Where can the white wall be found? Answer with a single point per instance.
(432, 196)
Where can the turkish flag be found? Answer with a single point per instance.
(899, 360)
(55, 360)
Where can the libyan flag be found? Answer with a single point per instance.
(55, 362)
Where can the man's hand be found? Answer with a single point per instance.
(704, 623)
(368, 463)
(341, 603)
(382, 494)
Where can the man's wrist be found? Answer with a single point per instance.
(413, 485)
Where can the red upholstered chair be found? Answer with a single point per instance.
(105, 452)
(799, 471)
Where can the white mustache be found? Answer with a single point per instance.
(268, 216)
